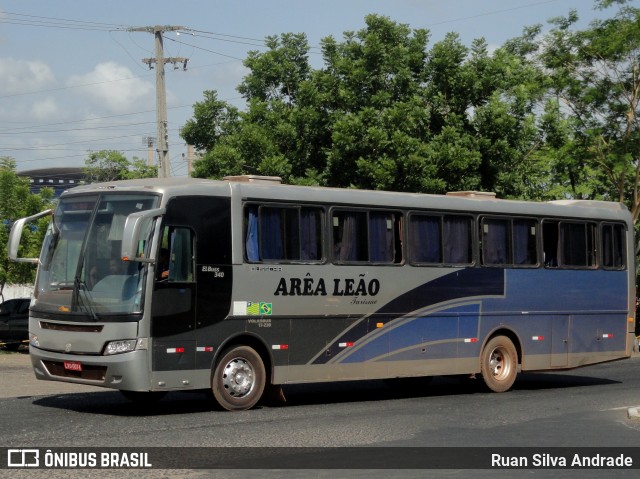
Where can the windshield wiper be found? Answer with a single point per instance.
(86, 303)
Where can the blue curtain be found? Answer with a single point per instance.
(524, 246)
(495, 242)
(271, 234)
(251, 241)
(351, 247)
(457, 240)
(425, 239)
(380, 238)
(308, 234)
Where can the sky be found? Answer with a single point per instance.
(73, 80)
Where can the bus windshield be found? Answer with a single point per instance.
(81, 271)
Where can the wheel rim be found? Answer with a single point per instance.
(499, 364)
(238, 377)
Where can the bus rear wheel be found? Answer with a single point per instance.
(499, 364)
(238, 379)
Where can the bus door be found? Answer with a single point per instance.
(173, 308)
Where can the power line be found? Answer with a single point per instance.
(103, 127)
(41, 21)
(494, 12)
(203, 49)
(63, 19)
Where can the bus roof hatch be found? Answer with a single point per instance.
(255, 179)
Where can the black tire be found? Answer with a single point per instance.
(499, 364)
(238, 379)
(143, 396)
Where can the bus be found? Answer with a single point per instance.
(245, 284)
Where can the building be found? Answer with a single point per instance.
(60, 179)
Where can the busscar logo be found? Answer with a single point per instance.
(23, 458)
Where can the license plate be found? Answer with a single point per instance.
(73, 366)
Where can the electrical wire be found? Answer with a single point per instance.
(52, 22)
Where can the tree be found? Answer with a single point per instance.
(384, 112)
(17, 202)
(111, 165)
(595, 81)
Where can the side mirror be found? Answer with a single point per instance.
(133, 228)
(15, 235)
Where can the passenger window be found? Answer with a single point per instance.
(425, 244)
(550, 243)
(578, 244)
(456, 237)
(367, 236)
(569, 244)
(496, 242)
(613, 246)
(350, 242)
(509, 242)
(525, 244)
(275, 233)
(438, 239)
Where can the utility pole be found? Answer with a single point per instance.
(149, 141)
(190, 157)
(161, 95)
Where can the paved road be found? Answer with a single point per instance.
(17, 378)
(583, 407)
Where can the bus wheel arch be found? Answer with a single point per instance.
(499, 360)
(239, 375)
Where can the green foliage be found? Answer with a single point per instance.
(17, 202)
(594, 74)
(211, 118)
(545, 116)
(384, 112)
(111, 165)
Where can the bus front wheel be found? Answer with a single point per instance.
(238, 378)
(499, 364)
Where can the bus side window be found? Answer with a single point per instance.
(367, 236)
(496, 244)
(457, 239)
(525, 249)
(425, 238)
(550, 243)
(569, 244)
(350, 237)
(578, 244)
(283, 234)
(385, 238)
(509, 242)
(613, 246)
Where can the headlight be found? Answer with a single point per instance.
(118, 347)
(33, 340)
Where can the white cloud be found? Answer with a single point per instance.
(23, 76)
(114, 87)
(45, 109)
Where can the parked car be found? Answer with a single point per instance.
(14, 322)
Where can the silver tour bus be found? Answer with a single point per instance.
(236, 286)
